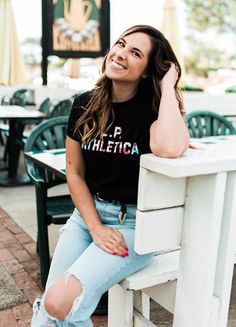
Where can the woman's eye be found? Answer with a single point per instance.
(121, 43)
(136, 53)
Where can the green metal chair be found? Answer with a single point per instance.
(45, 106)
(49, 134)
(18, 98)
(62, 108)
(208, 123)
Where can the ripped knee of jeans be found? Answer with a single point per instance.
(64, 296)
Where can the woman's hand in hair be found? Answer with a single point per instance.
(170, 78)
(109, 240)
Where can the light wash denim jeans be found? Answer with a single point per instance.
(97, 270)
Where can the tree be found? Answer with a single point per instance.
(204, 59)
(212, 14)
(209, 51)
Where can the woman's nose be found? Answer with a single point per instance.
(122, 53)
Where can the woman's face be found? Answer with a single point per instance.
(128, 58)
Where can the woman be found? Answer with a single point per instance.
(135, 108)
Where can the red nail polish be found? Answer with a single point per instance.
(113, 253)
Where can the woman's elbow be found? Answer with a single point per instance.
(171, 152)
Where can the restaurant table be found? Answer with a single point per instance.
(53, 160)
(202, 182)
(15, 115)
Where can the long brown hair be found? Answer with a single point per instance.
(94, 121)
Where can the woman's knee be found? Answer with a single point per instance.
(60, 296)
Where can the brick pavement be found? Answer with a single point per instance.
(18, 255)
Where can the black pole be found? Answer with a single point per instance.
(44, 42)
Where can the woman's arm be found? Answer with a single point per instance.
(108, 239)
(169, 135)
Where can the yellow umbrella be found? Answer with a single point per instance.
(170, 28)
(11, 62)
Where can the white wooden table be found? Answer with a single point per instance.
(199, 189)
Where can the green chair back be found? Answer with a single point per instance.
(45, 106)
(208, 123)
(62, 108)
(49, 134)
(19, 97)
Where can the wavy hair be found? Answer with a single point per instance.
(95, 120)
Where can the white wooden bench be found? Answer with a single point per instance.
(186, 212)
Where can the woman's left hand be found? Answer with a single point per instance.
(109, 240)
(170, 78)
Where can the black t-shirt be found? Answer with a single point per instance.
(112, 165)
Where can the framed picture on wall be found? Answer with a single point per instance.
(76, 28)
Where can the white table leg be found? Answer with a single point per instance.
(225, 261)
(199, 250)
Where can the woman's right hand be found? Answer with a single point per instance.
(109, 240)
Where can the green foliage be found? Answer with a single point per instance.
(209, 21)
(231, 90)
(208, 14)
(204, 58)
(189, 88)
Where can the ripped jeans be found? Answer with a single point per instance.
(97, 270)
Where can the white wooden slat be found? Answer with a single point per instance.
(157, 191)
(163, 268)
(120, 307)
(164, 294)
(193, 162)
(140, 321)
(158, 230)
(142, 303)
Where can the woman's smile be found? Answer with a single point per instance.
(117, 65)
